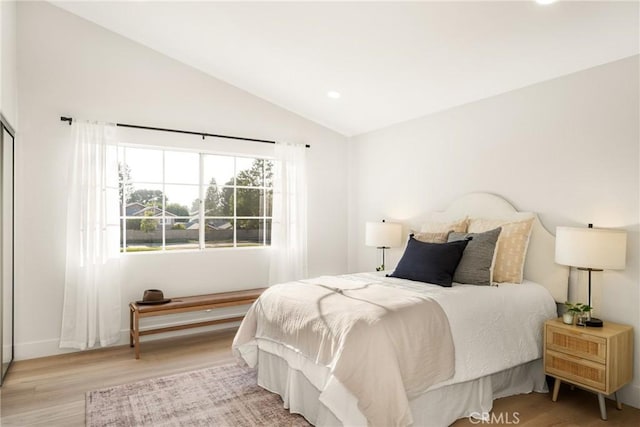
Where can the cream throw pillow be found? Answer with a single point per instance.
(432, 237)
(511, 250)
(457, 226)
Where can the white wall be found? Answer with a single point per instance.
(567, 149)
(68, 66)
(8, 78)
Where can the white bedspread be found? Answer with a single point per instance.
(493, 329)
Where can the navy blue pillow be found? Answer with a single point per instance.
(430, 262)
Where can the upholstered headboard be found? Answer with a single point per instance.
(540, 266)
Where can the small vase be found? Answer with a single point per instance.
(567, 318)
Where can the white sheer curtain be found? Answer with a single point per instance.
(91, 311)
(289, 224)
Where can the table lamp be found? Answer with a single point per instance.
(591, 249)
(383, 235)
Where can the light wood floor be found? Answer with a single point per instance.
(50, 391)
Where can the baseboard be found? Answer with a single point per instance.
(51, 347)
(35, 349)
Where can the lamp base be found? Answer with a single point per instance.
(594, 323)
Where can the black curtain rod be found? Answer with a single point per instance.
(188, 132)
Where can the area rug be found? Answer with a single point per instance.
(219, 396)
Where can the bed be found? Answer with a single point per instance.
(367, 349)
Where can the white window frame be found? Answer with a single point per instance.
(202, 188)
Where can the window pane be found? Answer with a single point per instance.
(218, 233)
(182, 200)
(225, 201)
(267, 231)
(144, 234)
(218, 169)
(250, 202)
(250, 232)
(181, 167)
(182, 233)
(249, 172)
(145, 165)
(269, 195)
(215, 203)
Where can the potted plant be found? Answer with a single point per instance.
(567, 316)
(579, 311)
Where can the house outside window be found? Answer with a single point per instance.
(178, 200)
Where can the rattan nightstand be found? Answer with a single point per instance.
(596, 359)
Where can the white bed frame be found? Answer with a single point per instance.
(540, 266)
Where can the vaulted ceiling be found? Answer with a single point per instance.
(390, 61)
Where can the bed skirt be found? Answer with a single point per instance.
(437, 407)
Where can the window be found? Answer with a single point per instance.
(174, 200)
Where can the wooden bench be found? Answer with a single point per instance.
(184, 305)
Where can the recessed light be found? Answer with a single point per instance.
(545, 2)
(333, 94)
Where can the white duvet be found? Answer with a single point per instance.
(493, 329)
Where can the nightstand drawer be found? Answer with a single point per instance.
(575, 369)
(577, 343)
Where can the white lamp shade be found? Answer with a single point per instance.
(595, 248)
(383, 234)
